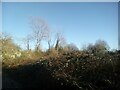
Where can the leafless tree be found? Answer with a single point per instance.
(100, 47)
(72, 47)
(60, 40)
(40, 30)
(27, 41)
(49, 40)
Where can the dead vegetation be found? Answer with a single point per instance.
(75, 70)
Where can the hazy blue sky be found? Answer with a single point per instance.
(81, 23)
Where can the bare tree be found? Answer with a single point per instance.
(48, 37)
(49, 41)
(72, 47)
(60, 40)
(27, 41)
(40, 30)
(100, 47)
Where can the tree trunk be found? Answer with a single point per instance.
(38, 46)
(49, 45)
(28, 47)
(57, 44)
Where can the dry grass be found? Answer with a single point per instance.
(76, 70)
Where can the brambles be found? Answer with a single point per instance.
(95, 68)
(76, 70)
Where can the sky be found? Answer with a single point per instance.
(60, 0)
(119, 26)
(0, 17)
(81, 23)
